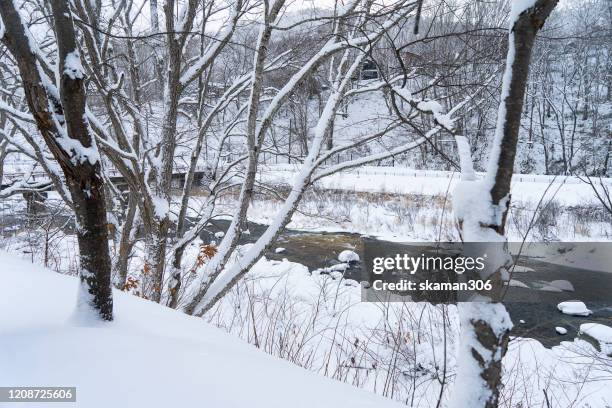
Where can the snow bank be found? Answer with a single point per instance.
(150, 356)
(601, 333)
(400, 180)
(574, 308)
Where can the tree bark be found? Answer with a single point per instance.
(524, 32)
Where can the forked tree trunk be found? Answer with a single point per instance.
(485, 324)
(65, 129)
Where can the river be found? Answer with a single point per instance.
(532, 310)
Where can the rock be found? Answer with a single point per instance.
(348, 256)
(333, 270)
(574, 308)
(561, 330)
(564, 285)
(517, 283)
(520, 268)
(279, 250)
(550, 288)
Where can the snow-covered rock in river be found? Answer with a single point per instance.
(219, 234)
(550, 288)
(279, 250)
(521, 268)
(574, 308)
(564, 285)
(348, 256)
(601, 333)
(335, 271)
(561, 330)
(517, 284)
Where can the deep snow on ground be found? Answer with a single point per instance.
(312, 320)
(284, 301)
(150, 356)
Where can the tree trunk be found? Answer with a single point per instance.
(154, 16)
(485, 323)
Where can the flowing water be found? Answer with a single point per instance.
(532, 310)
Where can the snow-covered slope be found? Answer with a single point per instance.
(150, 356)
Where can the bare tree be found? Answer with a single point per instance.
(481, 208)
(346, 50)
(60, 115)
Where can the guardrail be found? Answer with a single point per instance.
(408, 172)
(361, 171)
(41, 175)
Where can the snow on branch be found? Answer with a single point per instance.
(219, 42)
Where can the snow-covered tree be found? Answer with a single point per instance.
(481, 208)
(56, 98)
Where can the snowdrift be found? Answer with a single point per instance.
(150, 356)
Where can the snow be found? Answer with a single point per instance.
(594, 256)
(402, 180)
(574, 308)
(161, 206)
(520, 269)
(436, 109)
(517, 283)
(597, 331)
(518, 6)
(348, 256)
(150, 356)
(279, 250)
(550, 288)
(563, 285)
(561, 330)
(333, 270)
(470, 389)
(601, 333)
(72, 65)
(465, 158)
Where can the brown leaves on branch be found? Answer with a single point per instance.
(207, 251)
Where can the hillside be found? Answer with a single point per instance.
(150, 356)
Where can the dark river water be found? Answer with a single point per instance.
(533, 311)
